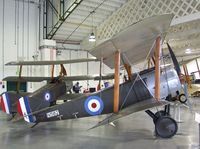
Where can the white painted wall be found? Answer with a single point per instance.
(18, 37)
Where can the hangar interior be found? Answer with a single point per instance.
(54, 30)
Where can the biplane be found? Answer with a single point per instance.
(57, 88)
(141, 92)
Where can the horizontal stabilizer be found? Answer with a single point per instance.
(67, 78)
(15, 63)
(143, 105)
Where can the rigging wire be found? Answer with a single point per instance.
(15, 22)
(3, 32)
(23, 30)
(28, 13)
(82, 22)
(18, 30)
(138, 76)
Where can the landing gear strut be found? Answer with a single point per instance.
(165, 126)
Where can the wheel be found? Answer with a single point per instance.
(182, 98)
(166, 127)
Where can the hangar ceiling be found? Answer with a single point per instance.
(111, 16)
(80, 23)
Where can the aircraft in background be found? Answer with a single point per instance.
(142, 91)
(56, 89)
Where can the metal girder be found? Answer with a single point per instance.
(63, 17)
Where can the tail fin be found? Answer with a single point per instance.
(24, 109)
(5, 103)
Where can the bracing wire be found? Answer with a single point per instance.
(3, 32)
(15, 22)
(18, 30)
(138, 76)
(23, 29)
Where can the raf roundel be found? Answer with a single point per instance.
(94, 105)
(47, 96)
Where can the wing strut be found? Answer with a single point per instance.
(116, 84)
(52, 72)
(100, 74)
(20, 76)
(63, 71)
(157, 67)
(129, 71)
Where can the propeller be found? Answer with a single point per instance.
(174, 60)
(178, 70)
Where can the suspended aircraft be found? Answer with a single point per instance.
(142, 91)
(46, 96)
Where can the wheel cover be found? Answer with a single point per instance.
(166, 127)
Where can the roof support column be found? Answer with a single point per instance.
(20, 76)
(187, 77)
(197, 66)
(116, 84)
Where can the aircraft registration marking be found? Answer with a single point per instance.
(52, 114)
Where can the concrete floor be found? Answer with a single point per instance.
(134, 131)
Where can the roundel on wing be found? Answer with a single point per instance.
(47, 96)
(93, 105)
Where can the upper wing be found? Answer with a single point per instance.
(26, 79)
(135, 41)
(143, 105)
(66, 78)
(51, 62)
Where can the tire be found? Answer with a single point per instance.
(182, 98)
(166, 127)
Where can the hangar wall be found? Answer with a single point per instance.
(18, 33)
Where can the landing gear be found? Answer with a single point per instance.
(10, 116)
(165, 126)
(182, 98)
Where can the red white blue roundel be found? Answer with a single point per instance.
(94, 105)
(47, 96)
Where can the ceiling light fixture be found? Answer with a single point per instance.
(92, 35)
(188, 51)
